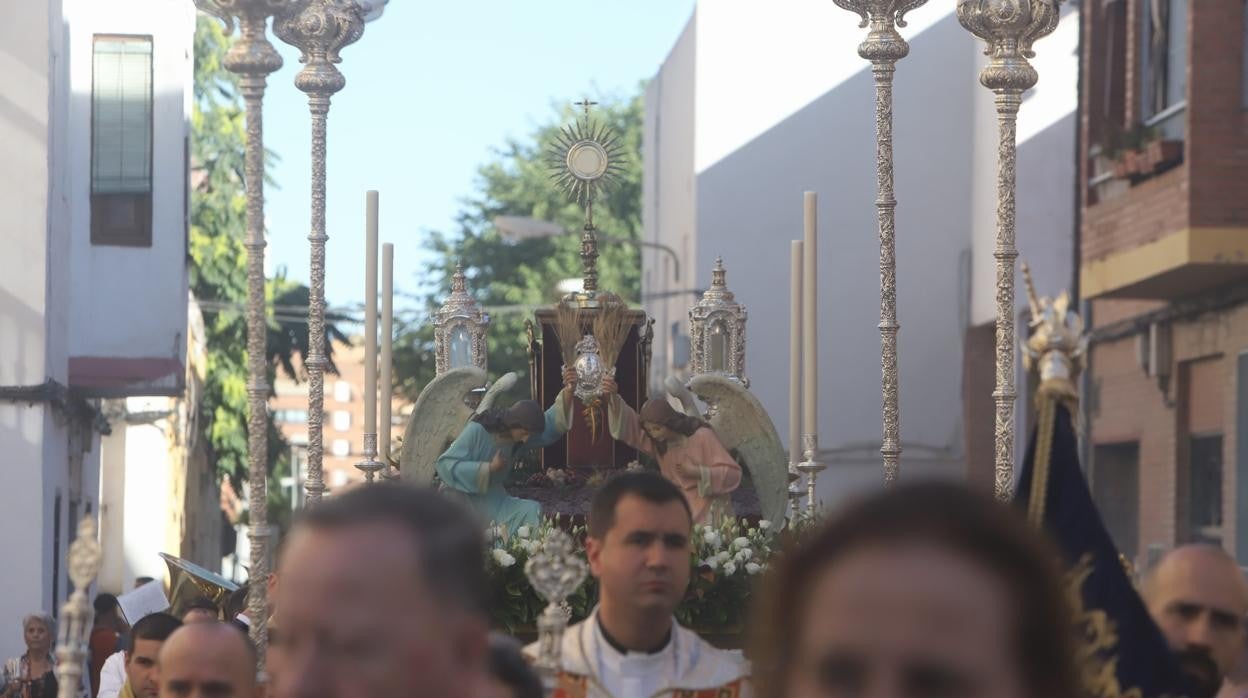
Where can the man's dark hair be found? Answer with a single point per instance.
(508, 665)
(649, 486)
(449, 542)
(104, 604)
(201, 603)
(237, 602)
(154, 626)
(945, 515)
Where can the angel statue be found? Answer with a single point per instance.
(479, 463)
(688, 450)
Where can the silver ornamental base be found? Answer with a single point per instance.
(370, 466)
(810, 468)
(555, 572)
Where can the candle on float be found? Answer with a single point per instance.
(387, 346)
(370, 315)
(810, 319)
(795, 352)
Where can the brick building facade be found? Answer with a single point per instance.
(1164, 266)
(343, 423)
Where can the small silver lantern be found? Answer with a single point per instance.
(717, 329)
(459, 329)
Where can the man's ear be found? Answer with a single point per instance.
(593, 552)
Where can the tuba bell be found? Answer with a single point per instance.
(188, 582)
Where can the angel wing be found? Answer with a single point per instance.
(678, 390)
(439, 415)
(504, 383)
(743, 425)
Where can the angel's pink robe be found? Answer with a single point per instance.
(709, 494)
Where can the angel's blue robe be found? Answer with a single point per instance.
(465, 468)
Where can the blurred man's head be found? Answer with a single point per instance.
(925, 590)
(208, 660)
(639, 544)
(382, 595)
(146, 638)
(200, 610)
(108, 613)
(1199, 597)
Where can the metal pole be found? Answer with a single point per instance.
(1009, 36)
(253, 58)
(884, 47)
(319, 31)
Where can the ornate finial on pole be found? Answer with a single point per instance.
(77, 614)
(1057, 345)
(1033, 301)
(1008, 27)
(555, 572)
(884, 46)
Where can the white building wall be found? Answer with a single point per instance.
(55, 300)
(669, 193)
(46, 458)
(782, 104)
(130, 302)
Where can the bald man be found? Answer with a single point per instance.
(208, 660)
(1199, 597)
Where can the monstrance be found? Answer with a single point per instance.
(586, 159)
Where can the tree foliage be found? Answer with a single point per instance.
(517, 182)
(218, 271)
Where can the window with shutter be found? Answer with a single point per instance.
(121, 141)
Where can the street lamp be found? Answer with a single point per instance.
(252, 58)
(320, 30)
(518, 228)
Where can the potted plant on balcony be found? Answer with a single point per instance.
(1161, 153)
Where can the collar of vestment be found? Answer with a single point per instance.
(615, 644)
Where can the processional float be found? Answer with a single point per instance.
(595, 332)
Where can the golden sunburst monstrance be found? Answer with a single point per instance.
(585, 159)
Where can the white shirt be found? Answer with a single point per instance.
(113, 675)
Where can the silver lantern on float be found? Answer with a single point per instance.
(717, 330)
(459, 329)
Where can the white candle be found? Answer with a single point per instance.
(370, 316)
(810, 321)
(387, 344)
(795, 352)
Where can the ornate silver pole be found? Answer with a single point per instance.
(884, 47)
(252, 58)
(1009, 27)
(77, 614)
(555, 572)
(320, 31)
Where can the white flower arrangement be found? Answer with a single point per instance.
(503, 558)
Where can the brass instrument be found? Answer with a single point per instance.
(188, 582)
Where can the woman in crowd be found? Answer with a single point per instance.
(687, 449)
(925, 591)
(32, 675)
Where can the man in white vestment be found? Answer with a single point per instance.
(631, 646)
